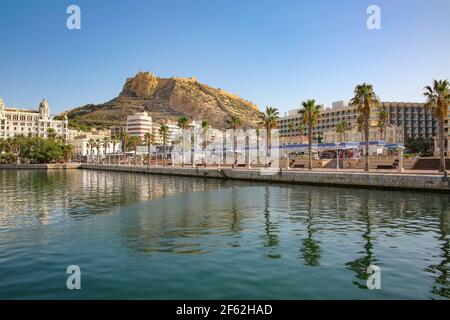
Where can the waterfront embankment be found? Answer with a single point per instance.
(394, 181)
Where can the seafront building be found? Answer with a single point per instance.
(413, 119)
(15, 121)
(138, 124)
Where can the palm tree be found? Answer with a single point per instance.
(291, 127)
(149, 140)
(106, 144)
(3, 145)
(382, 122)
(91, 145)
(205, 126)
(233, 123)
(124, 137)
(114, 141)
(98, 144)
(310, 114)
(438, 100)
(134, 142)
(365, 100)
(269, 121)
(164, 133)
(183, 123)
(51, 134)
(341, 128)
(67, 152)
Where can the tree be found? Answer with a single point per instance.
(106, 144)
(164, 133)
(114, 141)
(269, 120)
(438, 100)
(340, 129)
(91, 145)
(291, 127)
(133, 143)
(365, 100)
(98, 144)
(124, 137)
(233, 123)
(183, 123)
(309, 114)
(51, 134)
(67, 152)
(382, 122)
(205, 126)
(149, 141)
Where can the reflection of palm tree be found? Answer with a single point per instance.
(271, 237)
(442, 270)
(311, 250)
(360, 265)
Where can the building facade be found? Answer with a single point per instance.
(414, 119)
(139, 124)
(15, 121)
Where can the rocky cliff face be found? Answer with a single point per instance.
(168, 99)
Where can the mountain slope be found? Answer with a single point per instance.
(167, 99)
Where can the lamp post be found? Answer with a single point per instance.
(400, 160)
(337, 157)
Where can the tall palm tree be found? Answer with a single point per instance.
(291, 127)
(124, 137)
(233, 123)
(91, 146)
(149, 140)
(51, 134)
(98, 144)
(269, 120)
(205, 126)
(340, 129)
(365, 100)
(2, 145)
(382, 122)
(134, 142)
(183, 123)
(114, 141)
(164, 133)
(106, 145)
(67, 152)
(438, 100)
(309, 115)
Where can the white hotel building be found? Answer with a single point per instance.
(139, 124)
(30, 122)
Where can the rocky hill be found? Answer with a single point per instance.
(166, 99)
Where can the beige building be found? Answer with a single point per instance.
(414, 119)
(391, 134)
(15, 121)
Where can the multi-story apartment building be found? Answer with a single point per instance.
(415, 120)
(117, 130)
(139, 124)
(30, 122)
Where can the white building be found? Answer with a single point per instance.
(30, 122)
(139, 124)
(82, 148)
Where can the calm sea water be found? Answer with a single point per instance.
(153, 237)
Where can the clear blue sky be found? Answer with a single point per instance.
(271, 52)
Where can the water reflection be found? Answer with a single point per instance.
(441, 271)
(360, 265)
(310, 246)
(241, 233)
(29, 197)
